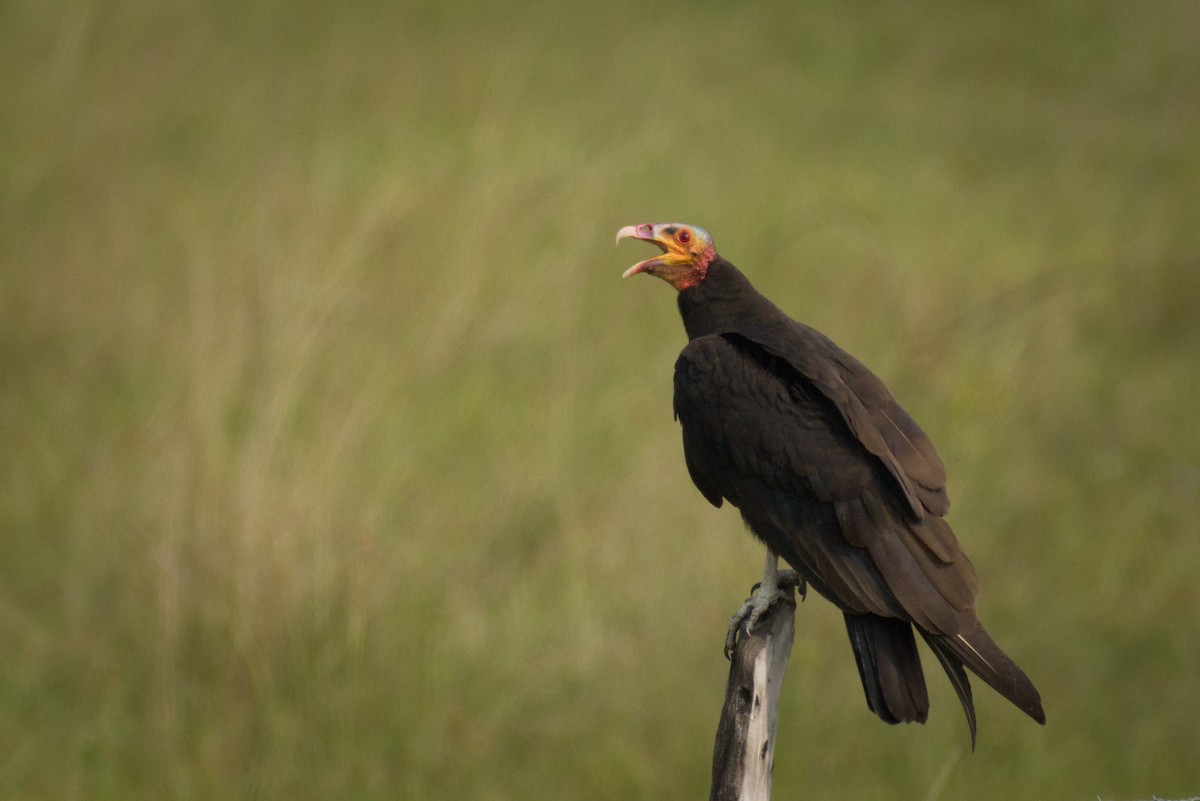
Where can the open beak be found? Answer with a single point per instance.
(647, 232)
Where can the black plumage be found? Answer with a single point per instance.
(831, 474)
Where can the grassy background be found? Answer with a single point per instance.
(337, 462)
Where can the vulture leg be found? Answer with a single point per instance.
(762, 596)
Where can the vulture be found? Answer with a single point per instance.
(832, 475)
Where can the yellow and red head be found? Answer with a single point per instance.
(686, 252)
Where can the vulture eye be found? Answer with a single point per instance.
(684, 237)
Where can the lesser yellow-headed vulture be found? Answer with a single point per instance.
(831, 474)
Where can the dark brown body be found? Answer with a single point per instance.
(832, 475)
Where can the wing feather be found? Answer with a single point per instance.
(762, 435)
(868, 408)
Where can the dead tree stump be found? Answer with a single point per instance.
(744, 752)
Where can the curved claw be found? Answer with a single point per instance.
(761, 599)
(748, 614)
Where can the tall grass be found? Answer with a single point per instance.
(336, 461)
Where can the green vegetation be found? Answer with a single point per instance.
(336, 461)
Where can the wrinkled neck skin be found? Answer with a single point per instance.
(726, 302)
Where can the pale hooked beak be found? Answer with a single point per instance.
(646, 233)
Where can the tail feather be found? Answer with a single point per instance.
(890, 668)
(978, 651)
(958, 678)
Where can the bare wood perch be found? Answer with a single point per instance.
(744, 752)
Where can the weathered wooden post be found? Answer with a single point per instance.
(744, 752)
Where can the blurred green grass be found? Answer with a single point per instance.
(337, 462)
